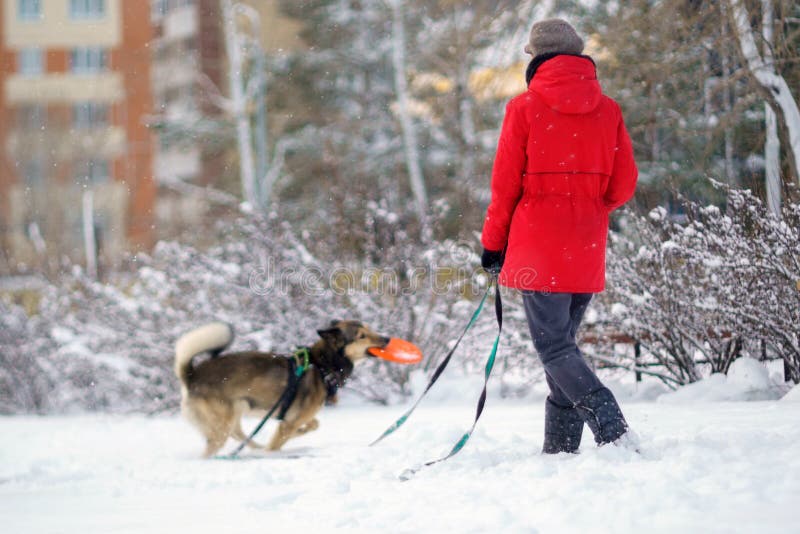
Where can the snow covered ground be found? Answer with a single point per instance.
(705, 467)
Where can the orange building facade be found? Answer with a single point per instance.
(75, 149)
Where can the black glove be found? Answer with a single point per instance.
(492, 261)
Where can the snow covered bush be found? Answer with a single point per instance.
(24, 381)
(109, 345)
(695, 294)
(699, 293)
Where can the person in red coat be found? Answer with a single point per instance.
(564, 161)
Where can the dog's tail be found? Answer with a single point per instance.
(213, 337)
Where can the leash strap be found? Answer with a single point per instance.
(285, 399)
(292, 383)
(439, 370)
(498, 310)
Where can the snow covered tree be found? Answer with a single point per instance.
(763, 68)
(688, 95)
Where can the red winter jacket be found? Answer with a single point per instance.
(564, 161)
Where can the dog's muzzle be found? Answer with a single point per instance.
(385, 340)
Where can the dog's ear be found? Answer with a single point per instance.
(333, 335)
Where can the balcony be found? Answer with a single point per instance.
(57, 29)
(64, 88)
(65, 144)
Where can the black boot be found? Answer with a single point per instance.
(563, 428)
(601, 412)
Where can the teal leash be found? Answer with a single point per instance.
(439, 370)
(498, 309)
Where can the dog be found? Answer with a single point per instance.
(218, 391)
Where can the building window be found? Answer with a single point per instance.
(88, 115)
(87, 9)
(31, 117)
(88, 60)
(33, 172)
(158, 8)
(30, 9)
(31, 61)
(93, 171)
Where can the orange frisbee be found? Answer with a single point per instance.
(398, 351)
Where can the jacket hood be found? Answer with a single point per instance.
(568, 84)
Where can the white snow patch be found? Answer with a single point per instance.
(728, 467)
(669, 245)
(747, 380)
(648, 390)
(793, 395)
(618, 308)
(62, 335)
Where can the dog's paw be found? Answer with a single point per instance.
(312, 425)
(308, 427)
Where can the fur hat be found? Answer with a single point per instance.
(553, 36)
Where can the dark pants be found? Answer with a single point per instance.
(553, 319)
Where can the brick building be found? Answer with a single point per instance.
(74, 94)
(82, 82)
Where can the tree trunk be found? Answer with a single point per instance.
(467, 124)
(406, 123)
(727, 105)
(769, 79)
(772, 145)
(89, 237)
(264, 188)
(234, 51)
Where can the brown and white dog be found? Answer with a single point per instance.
(216, 392)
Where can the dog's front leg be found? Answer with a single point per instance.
(284, 433)
(308, 427)
(287, 431)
